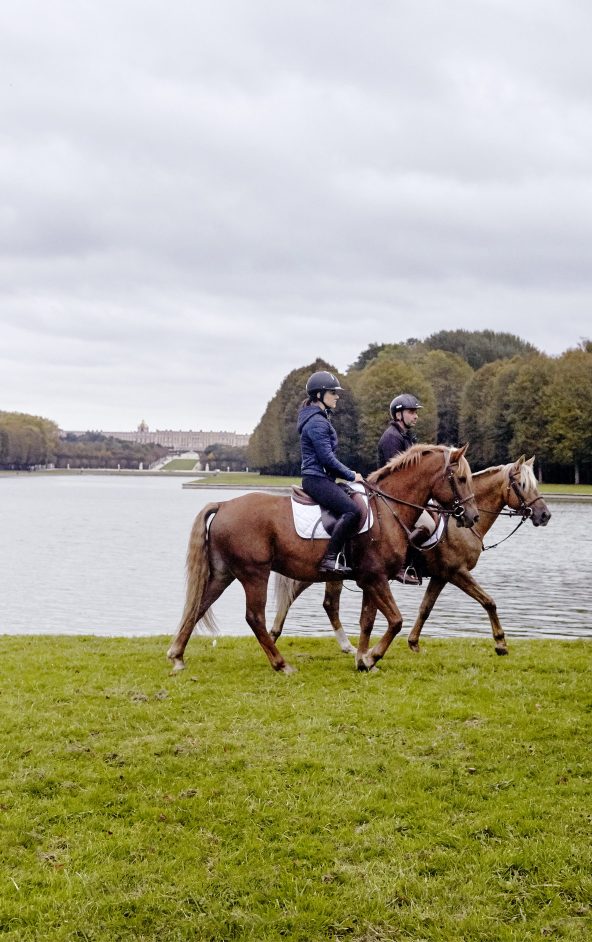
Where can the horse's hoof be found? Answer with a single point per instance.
(288, 669)
(414, 646)
(501, 651)
(350, 650)
(178, 665)
(366, 663)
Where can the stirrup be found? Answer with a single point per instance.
(336, 566)
(408, 576)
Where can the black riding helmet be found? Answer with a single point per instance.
(322, 381)
(404, 401)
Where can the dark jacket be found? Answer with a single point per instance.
(394, 440)
(318, 441)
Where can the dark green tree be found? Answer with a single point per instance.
(528, 410)
(479, 347)
(475, 417)
(384, 378)
(274, 447)
(448, 375)
(569, 407)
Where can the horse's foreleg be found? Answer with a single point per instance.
(383, 600)
(287, 591)
(256, 595)
(331, 605)
(217, 583)
(367, 618)
(465, 581)
(430, 598)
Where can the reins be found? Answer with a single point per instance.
(457, 510)
(524, 511)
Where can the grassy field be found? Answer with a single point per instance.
(445, 797)
(247, 479)
(180, 464)
(567, 489)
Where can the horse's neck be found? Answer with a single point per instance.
(489, 491)
(406, 484)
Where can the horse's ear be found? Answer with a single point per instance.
(457, 453)
(531, 461)
(521, 460)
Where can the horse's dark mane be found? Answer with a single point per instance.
(404, 460)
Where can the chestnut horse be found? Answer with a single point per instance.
(512, 485)
(248, 537)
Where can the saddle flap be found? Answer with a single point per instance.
(312, 521)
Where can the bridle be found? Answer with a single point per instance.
(524, 510)
(457, 510)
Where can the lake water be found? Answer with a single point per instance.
(105, 555)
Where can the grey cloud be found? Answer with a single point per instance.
(199, 195)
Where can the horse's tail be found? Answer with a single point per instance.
(198, 573)
(284, 591)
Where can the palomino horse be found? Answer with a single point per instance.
(252, 535)
(512, 485)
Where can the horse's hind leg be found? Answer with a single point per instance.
(331, 605)
(287, 591)
(430, 598)
(218, 581)
(465, 581)
(256, 595)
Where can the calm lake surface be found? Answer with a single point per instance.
(105, 555)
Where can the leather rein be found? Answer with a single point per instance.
(524, 511)
(456, 511)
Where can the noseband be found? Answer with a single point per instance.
(458, 511)
(525, 508)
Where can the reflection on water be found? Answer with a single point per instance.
(106, 555)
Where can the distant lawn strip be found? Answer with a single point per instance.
(180, 464)
(251, 479)
(445, 797)
(566, 489)
(246, 479)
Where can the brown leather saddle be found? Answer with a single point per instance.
(327, 517)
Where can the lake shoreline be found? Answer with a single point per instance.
(216, 480)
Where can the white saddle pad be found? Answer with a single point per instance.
(307, 518)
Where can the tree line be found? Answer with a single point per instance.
(29, 441)
(491, 389)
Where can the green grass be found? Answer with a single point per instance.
(247, 479)
(180, 464)
(566, 489)
(444, 797)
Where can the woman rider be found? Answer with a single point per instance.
(320, 465)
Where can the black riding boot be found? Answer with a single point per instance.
(331, 562)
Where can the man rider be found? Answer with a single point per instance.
(398, 435)
(397, 438)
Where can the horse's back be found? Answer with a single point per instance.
(251, 519)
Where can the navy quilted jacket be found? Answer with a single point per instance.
(318, 441)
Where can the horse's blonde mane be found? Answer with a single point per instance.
(412, 457)
(527, 476)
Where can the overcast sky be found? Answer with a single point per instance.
(197, 198)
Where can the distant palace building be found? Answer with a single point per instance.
(179, 441)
